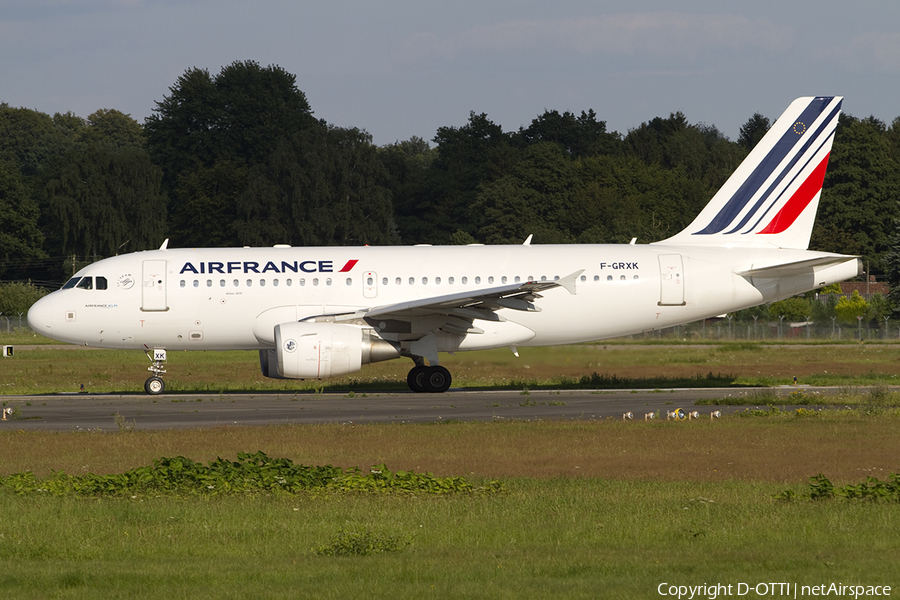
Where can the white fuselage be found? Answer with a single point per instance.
(232, 298)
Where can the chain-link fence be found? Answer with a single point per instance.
(772, 331)
(17, 322)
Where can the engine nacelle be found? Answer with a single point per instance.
(320, 350)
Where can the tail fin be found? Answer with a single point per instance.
(772, 197)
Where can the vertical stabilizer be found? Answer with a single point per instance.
(772, 197)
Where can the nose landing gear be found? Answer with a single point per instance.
(155, 384)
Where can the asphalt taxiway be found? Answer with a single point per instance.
(112, 412)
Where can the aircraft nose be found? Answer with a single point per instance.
(40, 315)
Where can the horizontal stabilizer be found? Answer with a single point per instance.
(793, 268)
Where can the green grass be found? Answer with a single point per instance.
(561, 538)
(585, 506)
(48, 370)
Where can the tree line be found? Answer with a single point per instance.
(238, 158)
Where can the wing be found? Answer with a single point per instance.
(452, 313)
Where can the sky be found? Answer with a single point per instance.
(399, 68)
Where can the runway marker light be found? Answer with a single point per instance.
(694, 415)
(649, 416)
(628, 416)
(715, 414)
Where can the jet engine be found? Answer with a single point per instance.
(320, 350)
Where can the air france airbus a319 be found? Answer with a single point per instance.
(314, 313)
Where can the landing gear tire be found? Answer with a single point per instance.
(437, 379)
(154, 385)
(416, 378)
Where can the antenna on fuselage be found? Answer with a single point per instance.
(165, 245)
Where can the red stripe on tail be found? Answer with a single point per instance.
(799, 201)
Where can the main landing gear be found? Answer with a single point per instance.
(433, 379)
(155, 384)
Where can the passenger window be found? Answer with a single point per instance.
(397, 281)
(274, 283)
(437, 281)
(101, 283)
(196, 283)
(262, 283)
(412, 280)
(302, 282)
(465, 280)
(289, 282)
(424, 281)
(86, 283)
(609, 277)
(622, 278)
(503, 279)
(491, 279)
(249, 283)
(384, 280)
(209, 283)
(182, 283)
(350, 281)
(315, 281)
(450, 280)
(328, 281)
(584, 278)
(221, 283)
(236, 283)
(477, 279)
(518, 279)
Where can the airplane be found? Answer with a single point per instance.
(319, 312)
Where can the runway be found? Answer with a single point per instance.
(112, 412)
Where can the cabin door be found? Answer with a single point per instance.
(153, 289)
(671, 280)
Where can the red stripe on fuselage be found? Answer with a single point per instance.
(799, 201)
(350, 264)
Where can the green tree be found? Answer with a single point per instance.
(878, 309)
(752, 131)
(112, 128)
(576, 136)
(325, 186)
(859, 200)
(208, 126)
(105, 201)
(849, 308)
(17, 298)
(892, 268)
(794, 309)
(468, 157)
(20, 239)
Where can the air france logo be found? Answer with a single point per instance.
(252, 266)
(290, 345)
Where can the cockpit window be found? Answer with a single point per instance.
(101, 283)
(86, 283)
(71, 283)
